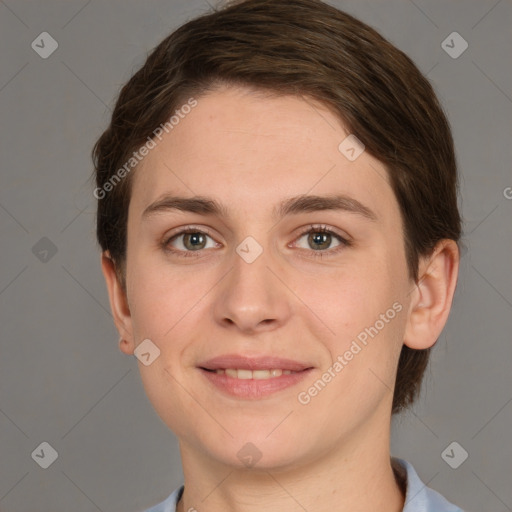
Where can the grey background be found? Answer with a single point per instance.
(62, 378)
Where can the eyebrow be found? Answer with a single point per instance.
(291, 206)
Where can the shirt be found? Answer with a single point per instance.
(418, 497)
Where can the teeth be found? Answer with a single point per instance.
(256, 374)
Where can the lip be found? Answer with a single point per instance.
(253, 389)
(253, 363)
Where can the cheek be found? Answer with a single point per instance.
(152, 300)
(358, 314)
(347, 299)
(163, 307)
(160, 302)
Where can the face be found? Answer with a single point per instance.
(321, 284)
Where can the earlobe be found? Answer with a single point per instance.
(118, 304)
(432, 296)
(126, 346)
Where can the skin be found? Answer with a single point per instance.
(251, 152)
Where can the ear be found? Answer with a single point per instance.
(118, 304)
(432, 295)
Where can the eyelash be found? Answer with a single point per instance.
(311, 229)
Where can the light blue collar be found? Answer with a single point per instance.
(418, 498)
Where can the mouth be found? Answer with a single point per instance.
(244, 374)
(228, 362)
(253, 378)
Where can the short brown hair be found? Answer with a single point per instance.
(304, 48)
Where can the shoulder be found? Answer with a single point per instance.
(169, 504)
(419, 497)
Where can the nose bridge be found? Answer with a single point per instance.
(251, 296)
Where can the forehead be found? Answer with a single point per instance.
(251, 151)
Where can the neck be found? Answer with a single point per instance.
(344, 479)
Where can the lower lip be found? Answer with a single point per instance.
(254, 388)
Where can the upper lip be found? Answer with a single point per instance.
(236, 361)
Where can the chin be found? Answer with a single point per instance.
(255, 451)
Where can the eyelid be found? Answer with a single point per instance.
(184, 229)
(327, 229)
(345, 240)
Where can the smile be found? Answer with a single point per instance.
(247, 384)
(252, 374)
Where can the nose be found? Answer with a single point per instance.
(253, 297)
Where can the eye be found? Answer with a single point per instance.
(191, 241)
(188, 241)
(320, 239)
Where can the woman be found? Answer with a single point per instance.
(277, 211)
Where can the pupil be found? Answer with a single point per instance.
(320, 238)
(194, 239)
